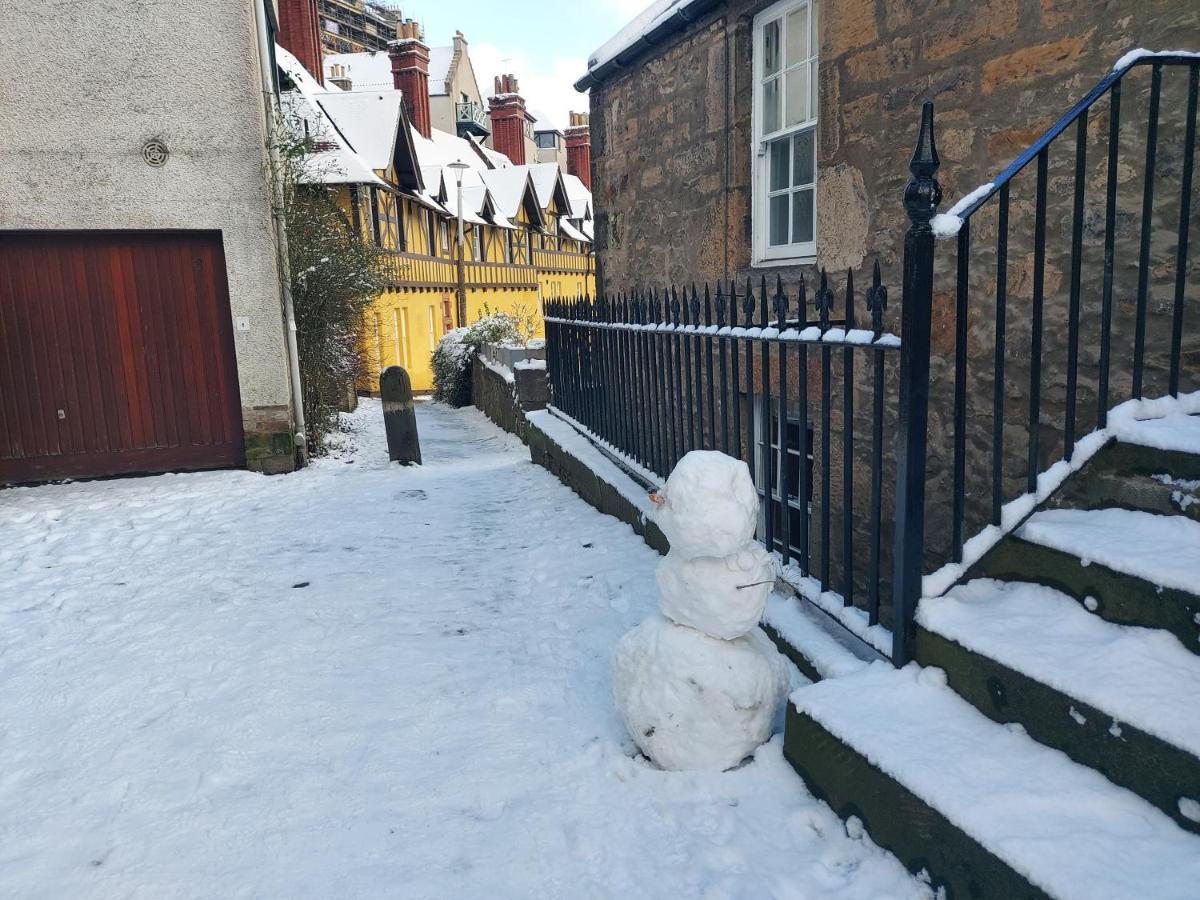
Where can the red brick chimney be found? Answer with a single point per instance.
(410, 73)
(300, 34)
(507, 109)
(579, 148)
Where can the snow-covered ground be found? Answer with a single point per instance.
(360, 681)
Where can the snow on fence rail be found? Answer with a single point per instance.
(654, 378)
(655, 375)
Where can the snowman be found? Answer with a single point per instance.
(699, 684)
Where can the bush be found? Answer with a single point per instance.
(457, 350)
(334, 275)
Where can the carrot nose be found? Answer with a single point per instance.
(657, 497)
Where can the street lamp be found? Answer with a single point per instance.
(459, 167)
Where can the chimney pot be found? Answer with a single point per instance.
(507, 110)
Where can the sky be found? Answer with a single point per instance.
(545, 44)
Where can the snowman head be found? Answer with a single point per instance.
(709, 506)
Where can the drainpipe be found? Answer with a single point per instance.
(281, 242)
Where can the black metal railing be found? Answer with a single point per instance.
(658, 373)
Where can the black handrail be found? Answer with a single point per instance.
(1102, 88)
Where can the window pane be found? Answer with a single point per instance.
(779, 220)
(815, 36)
(796, 96)
(812, 83)
(780, 159)
(771, 48)
(805, 144)
(802, 216)
(771, 106)
(796, 38)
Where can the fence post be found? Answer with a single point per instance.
(921, 197)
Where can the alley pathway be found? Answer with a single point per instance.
(360, 681)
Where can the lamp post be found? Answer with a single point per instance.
(459, 167)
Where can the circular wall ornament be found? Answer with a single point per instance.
(155, 153)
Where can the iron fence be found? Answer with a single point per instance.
(752, 373)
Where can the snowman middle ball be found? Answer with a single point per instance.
(721, 596)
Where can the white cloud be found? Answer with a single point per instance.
(547, 82)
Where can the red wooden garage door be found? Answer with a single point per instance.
(116, 355)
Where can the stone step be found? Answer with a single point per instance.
(982, 808)
(1119, 699)
(1114, 596)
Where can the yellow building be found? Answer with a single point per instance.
(524, 240)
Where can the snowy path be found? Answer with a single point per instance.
(359, 681)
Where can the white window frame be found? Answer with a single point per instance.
(763, 253)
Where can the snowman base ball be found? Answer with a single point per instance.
(693, 702)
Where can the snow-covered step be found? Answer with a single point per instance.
(985, 809)
(1175, 433)
(1163, 550)
(1120, 699)
(1129, 567)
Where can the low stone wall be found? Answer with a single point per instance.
(505, 395)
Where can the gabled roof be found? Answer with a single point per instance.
(333, 159)
(376, 126)
(580, 197)
(548, 182)
(513, 189)
(372, 69)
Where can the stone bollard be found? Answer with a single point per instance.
(399, 416)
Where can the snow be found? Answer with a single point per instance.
(637, 28)
(573, 442)
(1141, 676)
(370, 121)
(709, 506)
(855, 620)
(723, 597)
(359, 680)
(1179, 433)
(694, 702)
(800, 624)
(539, 364)
(1141, 53)
(1014, 512)
(1061, 825)
(371, 70)
(1164, 550)
(948, 224)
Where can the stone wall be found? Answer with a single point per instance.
(672, 161)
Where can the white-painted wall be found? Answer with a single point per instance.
(84, 84)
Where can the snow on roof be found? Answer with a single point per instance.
(508, 188)
(641, 25)
(543, 122)
(439, 68)
(579, 196)
(571, 231)
(370, 120)
(371, 70)
(545, 176)
(300, 76)
(497, 159)
(332, 160)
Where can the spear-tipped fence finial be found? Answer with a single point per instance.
(823, 301)
(780, 303)
(877, 300)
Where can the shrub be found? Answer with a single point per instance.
(334, 274)
(457, 349)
